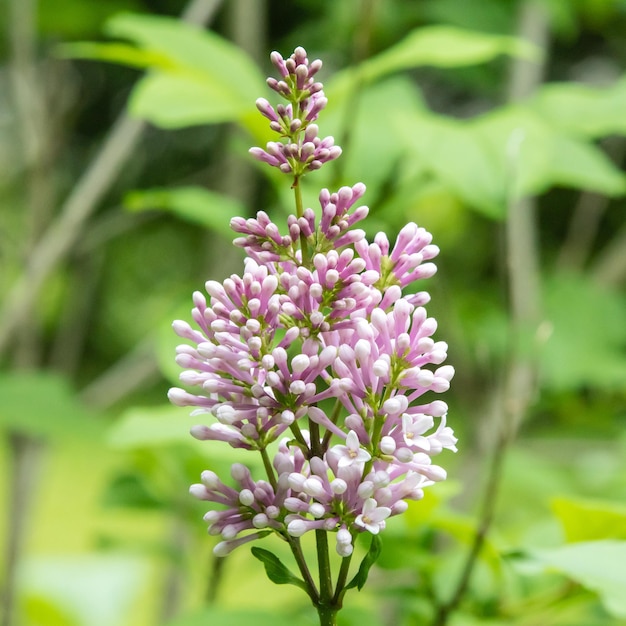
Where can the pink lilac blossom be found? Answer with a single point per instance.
(300, 149)
(318, 362)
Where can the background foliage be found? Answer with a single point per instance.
(497, 125)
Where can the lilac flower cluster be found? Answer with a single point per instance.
(301, 149)
(319, 362)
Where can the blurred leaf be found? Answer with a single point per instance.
(39, 610)
(77, 18)
(167, 341)
(176, 101)
(151, 426)
(587, 343)
(225, 617)
(597, 565)
(375, 149)
(130, 490)
(581, 165)
(458, 157)
(587, 520)
(583, 110)
(198, 78)
(124, 54)
(444, 46)
(43, 404)
(505, 154)
(360, 578)
(276, 571)
(95, 590)
(463, 528)
(531, 155)
(194, 204)
(191, 47)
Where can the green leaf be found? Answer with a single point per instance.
(459, 157)
(194, 204)
(167, 341)
(96, 590)
(197, 78)
(531, 155)
(597, 565)
(179, 100)
(444, 46)
(587, 520)
(583, 166)
(151, 426)
(376, 148)
(276, 571)
(43, 404)
(581, 350)
(129, 490)
(583, 110)
(360, 578)
(191, 48)
(124, 54)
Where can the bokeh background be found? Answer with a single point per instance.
(498, 125)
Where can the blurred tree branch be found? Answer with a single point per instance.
(45, 252)
(514, 392)
(82, 201)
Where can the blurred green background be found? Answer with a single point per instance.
(498, 125)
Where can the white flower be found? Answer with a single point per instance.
(351, 452)
(373, 517)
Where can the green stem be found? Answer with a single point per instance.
(326, 608)
(326, 586)
(299, 213)
(341, 580)
(269, 470)
(316, 444)
(333, 418)
(296, 550)
(327, 615)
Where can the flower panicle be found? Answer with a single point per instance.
(300, 149)
(333, 346)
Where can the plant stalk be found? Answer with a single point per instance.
(299, 213)
(514, 395)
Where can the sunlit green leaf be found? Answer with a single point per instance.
(459, 158)
(196, 76)
(178, 100)
(597, 565)
(77, 18)
(584, 110)
(151, 426)
(583, 166)
(39, 610)
(194, 204)
(96, 590)
(43, 404)
(192, 48)
(445, 46)
(124, 54)
(587, 520)
(532, 155)
(588, 335)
